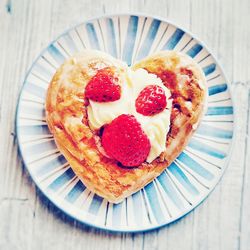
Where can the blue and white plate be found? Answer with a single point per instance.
(183, 185)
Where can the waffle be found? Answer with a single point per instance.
(66, 115)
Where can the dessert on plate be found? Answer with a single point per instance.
(119, 127)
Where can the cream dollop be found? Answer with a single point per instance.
(155, 127)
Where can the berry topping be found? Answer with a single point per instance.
(103, 87)
(168, 78)
(151, 100)
(124, 140)
(186, 71)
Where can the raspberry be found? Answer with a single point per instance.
(103, 87)
(124, 140)
(151, 100)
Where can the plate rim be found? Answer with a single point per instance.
(60, 206)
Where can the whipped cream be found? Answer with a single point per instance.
(155, 127)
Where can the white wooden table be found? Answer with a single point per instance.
(29, 221)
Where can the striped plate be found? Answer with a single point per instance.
(183, 185)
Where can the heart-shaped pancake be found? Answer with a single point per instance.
(80, 133)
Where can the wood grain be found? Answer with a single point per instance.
(30, 221)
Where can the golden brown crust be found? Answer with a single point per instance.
(67, 119)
